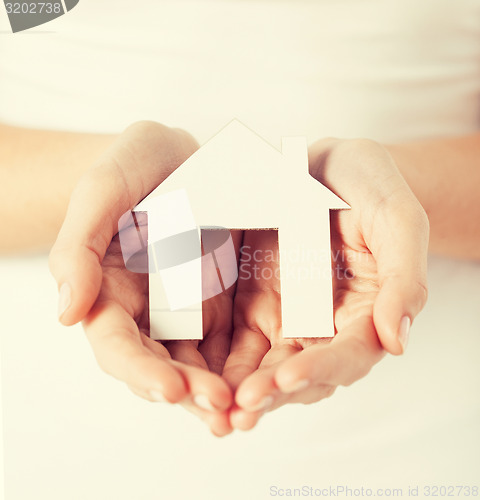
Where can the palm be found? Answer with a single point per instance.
(248, 350)
(258, 347)
(197, 363)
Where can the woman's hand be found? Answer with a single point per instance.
(112, 301)
(379, 250)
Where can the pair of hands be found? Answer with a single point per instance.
(243, 367)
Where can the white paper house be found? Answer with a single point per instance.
(239, 181)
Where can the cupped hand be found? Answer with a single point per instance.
(379, 255)
(112, 301)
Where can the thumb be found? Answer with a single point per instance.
(141, 158)
(402, 273)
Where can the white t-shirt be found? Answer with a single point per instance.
(385, 69)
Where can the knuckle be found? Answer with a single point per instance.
(53, 259)
(421, 293)
(146, 127)
(104, 365)
(416, 213)
(140, 393)
(156, 132)
(365, 155)
(361, 144)
(187, 138)
(363, 369)
(423, 220)
(329, 390)
(320, 392)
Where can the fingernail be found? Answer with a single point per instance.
(404, 331)
(299, 385)
(263, 404)
(158, 397)
(64, 299)
(203, 402)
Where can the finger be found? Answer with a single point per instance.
(257, 308)
(208, 390)
(347, 358)
(258, 391)
(247, 351)
(218, 422)
(250, 375)
(144, 155)
(145, 394)
(402, 273)
(215, 348)
(120, 351)
(217, 310)
(257, 323)
(306, 396)
(246, 420)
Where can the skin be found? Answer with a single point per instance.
(243, 367)
(41, 169)
(243, 361)
(386, 281)
(444, 175)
